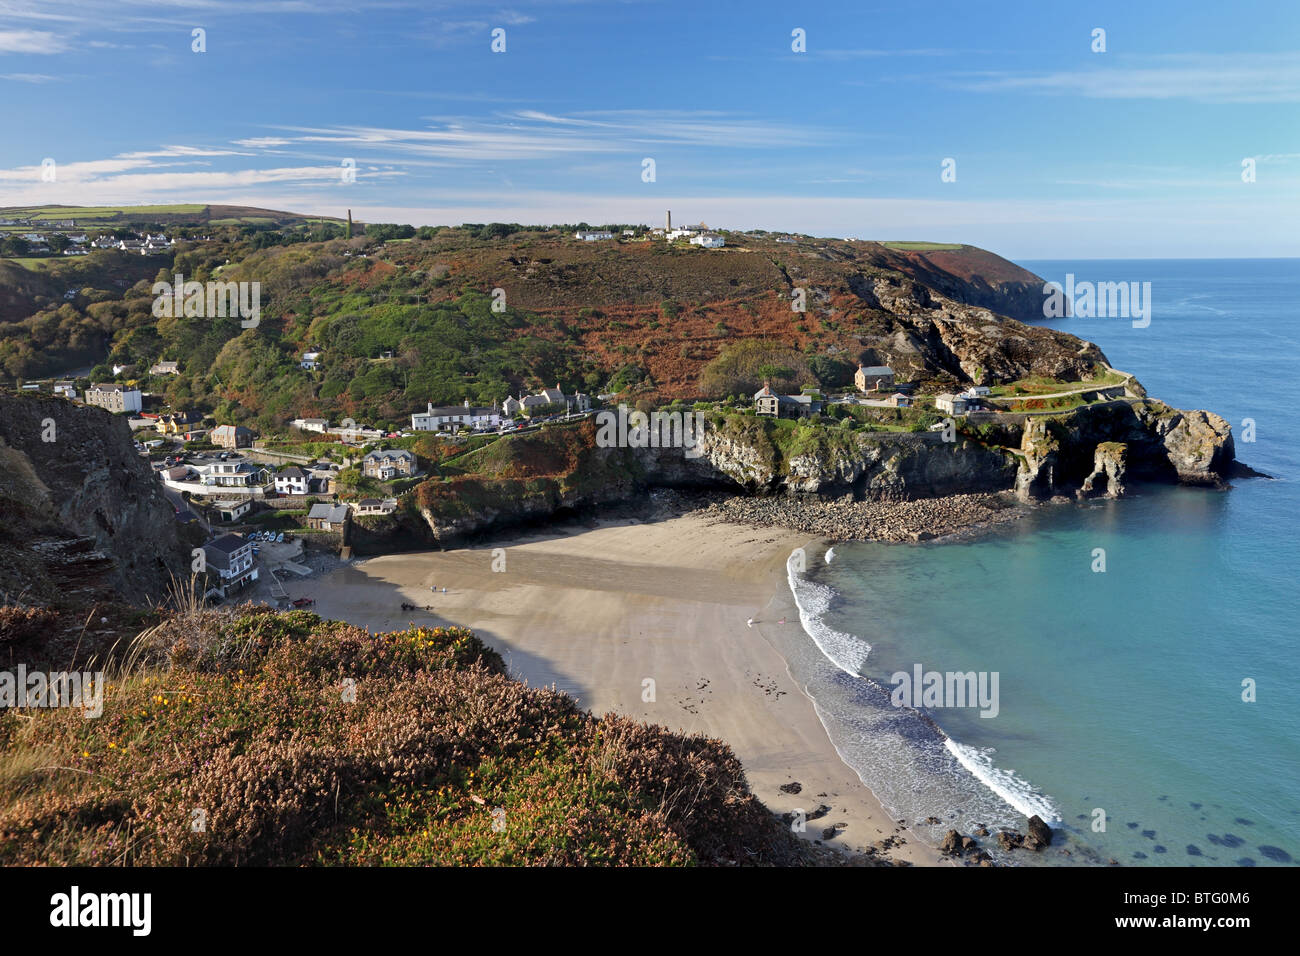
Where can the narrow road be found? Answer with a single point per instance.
(1074, 391)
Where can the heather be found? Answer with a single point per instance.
(256, 737)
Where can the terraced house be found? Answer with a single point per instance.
(450, 417)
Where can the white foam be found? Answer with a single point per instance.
(830, 553)
(849, 653)
(1021, 794)
(845, 651)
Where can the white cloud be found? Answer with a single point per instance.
(31, 41)
(263, 142)
(1206, 78)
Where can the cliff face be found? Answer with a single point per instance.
(926, 336)
(82, 518)
(1093, 450)
(1160, 443)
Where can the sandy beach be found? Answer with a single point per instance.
(599, 611)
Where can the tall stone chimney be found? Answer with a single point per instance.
(668, 223)
(349, 223)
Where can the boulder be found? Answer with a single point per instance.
(1039, 835)
(1010, 840)
(952, 843)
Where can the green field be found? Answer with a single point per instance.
(34, 262)
(101, 212)
(923, 246)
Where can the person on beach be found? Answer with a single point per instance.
(750, 622)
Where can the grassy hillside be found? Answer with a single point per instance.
(237, 740)
(405, 317)
(176, 214)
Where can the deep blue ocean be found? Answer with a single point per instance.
(1121, 714)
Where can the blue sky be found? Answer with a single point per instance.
(1059, 151)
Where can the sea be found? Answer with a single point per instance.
(1147, 649)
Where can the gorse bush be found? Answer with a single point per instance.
(258, 737)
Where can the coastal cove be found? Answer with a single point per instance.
(1121, 691)
(598, 610)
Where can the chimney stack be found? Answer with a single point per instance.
(668, 223)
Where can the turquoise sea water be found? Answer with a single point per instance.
(1119, 692)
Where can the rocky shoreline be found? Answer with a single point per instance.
(844, 519)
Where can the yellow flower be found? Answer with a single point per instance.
(85, 753)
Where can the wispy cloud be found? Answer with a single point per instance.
(31, 41)
(535, 135)
(1206, 78)
(29, 77)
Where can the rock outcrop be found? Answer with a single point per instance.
(1110, 462)
(1093, 450)
(1041, 450)
(82, 518)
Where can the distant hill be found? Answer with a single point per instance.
(184, 214)
(409, 316)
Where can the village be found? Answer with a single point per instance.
(290, 503)
(64, 237)
(276, 505)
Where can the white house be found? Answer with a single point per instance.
(233, 509)
(65, 390)
(448, 417)
(374, 506)
(592, 235)
(978, 391)
(165, 368)
(310, 361)
(320, 425)
(291, 481)
(235, 474)
(709, 240)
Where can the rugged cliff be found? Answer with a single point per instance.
(82, 519)
(1092, 450)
